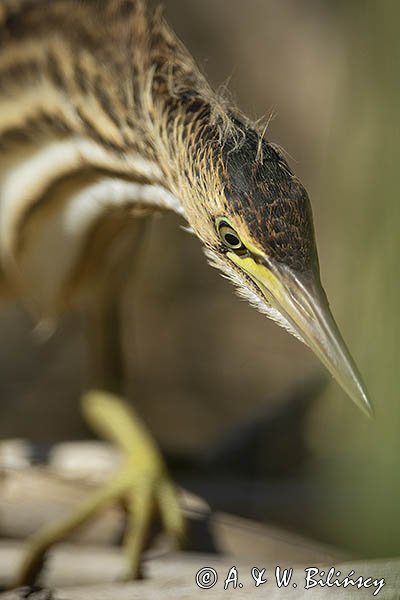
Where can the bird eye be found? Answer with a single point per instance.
(230, 238)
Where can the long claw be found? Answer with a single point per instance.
(170, 511)
(140, 509)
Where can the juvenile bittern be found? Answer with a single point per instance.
(105, 117)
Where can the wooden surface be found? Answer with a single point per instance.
(91, 573)
(91, 567)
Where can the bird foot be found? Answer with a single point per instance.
(142, 485)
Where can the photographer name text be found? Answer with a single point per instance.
(207, 578)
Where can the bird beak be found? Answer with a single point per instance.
(303, 304)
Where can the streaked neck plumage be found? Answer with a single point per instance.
(96, 92)
(109, 74)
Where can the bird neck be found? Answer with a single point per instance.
(116, 82)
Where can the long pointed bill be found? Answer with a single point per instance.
(303, 304)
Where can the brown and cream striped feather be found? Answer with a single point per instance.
(100, 106)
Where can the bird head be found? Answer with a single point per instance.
(258, 230)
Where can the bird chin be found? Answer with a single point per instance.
(248, 289)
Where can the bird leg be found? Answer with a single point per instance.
(142, 483)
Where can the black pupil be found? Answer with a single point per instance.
(231, 239)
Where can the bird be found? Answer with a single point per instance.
(105, 119)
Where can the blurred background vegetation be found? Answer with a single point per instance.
(199, 361)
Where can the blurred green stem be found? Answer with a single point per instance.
(362, 182)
